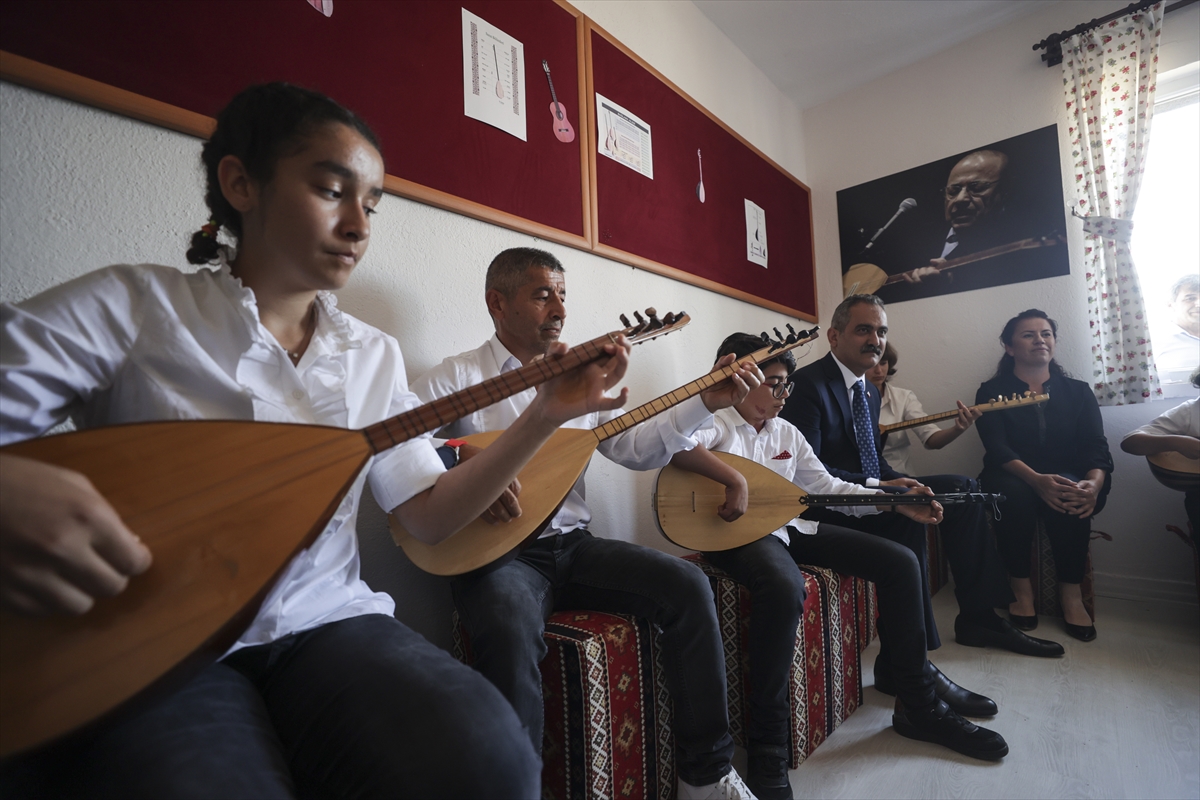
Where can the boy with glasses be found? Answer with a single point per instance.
(928, 706)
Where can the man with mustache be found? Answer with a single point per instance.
(504, 610)
(838, 413)
(973, 202)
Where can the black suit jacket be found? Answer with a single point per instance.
(820, 408)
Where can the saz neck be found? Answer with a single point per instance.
(666, 401)
(441, 412)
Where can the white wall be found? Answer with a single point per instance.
(984, 90)
(81, 188)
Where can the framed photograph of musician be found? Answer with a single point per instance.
(988, 216)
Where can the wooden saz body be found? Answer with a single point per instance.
(223, 507)
(1175, 470)
(545, 482)
(685, 505)
(865, 278)
(222, 517)
(549, 477)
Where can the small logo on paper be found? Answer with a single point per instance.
(784, 456)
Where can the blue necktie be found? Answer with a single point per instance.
(863, 432)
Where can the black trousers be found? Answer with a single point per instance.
(980, 582)
(768, 569)
(1069, 535)
(360, 708)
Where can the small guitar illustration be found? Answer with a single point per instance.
(562, 126)
(610, 143)
(700, 185)
(499, 85)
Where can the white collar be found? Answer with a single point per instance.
(505, 361)
(849, 377)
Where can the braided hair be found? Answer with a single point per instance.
(259, 126)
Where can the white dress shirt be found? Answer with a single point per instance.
(648, 445)
(782, 448)
(1182, 420)
(141, 343)
(1178, 356)
(899, 405)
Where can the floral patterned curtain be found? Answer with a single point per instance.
(1108, 79)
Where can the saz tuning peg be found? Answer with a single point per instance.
(625, 321)
(641, 320)
(655, 322)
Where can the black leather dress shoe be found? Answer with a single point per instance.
(937, 723)
(767, 772)
(1022, 622)
(1006, 636)
(1084, 633)
(961, 701)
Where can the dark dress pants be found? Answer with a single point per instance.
(361, 708)
(1015, 526)
(980, 582)
(505, 610)
(768, 569)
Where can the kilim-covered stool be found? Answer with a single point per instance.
(826, 679)
(608, 715)
(938, 565)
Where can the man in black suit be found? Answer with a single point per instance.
(847, 441)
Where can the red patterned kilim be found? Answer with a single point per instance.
(826, 680)
(608, 714)
(939, 567)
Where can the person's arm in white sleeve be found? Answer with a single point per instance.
(651, 444)
(62, 546)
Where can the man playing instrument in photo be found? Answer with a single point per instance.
(973, 200)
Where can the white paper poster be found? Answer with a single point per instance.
(756, 234)
(624, 137)
(493, 76)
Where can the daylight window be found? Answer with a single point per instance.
(1166, 236)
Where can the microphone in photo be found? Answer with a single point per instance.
(906, 205)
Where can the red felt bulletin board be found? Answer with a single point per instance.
(398, 64)
(661, 225)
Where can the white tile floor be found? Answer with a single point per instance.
(1115, 718)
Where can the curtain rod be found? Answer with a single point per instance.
(1053, 42)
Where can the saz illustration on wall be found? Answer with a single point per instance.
(985, 217)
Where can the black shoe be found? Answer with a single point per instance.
(937, 723)
(1006, 636)
(1084, 633)
(1021, 622)
(961, 701)
(767, 772)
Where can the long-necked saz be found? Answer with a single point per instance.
(223, 507)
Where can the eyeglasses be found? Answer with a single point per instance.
(780, 389)
(974, 188)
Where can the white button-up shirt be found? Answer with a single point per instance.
(141, 343)
(899, 405)
(646, 446)
(780, 447)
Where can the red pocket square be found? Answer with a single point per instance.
(784, 456)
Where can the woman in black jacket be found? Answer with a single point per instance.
(1051, 461)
